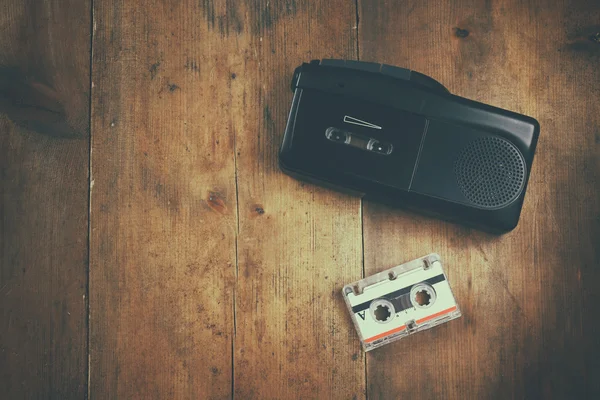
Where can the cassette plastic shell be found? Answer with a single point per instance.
(392, 288)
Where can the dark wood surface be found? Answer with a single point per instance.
(212, 274)
(44, 164)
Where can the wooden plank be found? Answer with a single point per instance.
(529, 298)
(298, 243)
(174, 86)
(44, 157)
(163, 203)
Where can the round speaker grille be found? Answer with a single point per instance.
(491, 172)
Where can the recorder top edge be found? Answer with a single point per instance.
(423, 95)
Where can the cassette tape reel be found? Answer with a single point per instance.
(400, 301)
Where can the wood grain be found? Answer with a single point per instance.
(298, 244)
(184, 93)
(44, 150)
(163, 203)
(212, 274)
(529, 298)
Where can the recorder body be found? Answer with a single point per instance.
(399, 137)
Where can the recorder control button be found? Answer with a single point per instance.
(396, 72)
(337, 135)
(379, 147)
(363, 66)
(333, 63)
(360, 65)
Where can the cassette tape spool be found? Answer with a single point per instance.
(400, 301)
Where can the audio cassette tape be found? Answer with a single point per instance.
(400, 301)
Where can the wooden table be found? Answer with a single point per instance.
(151, 247)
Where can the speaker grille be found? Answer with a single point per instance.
(491, 172)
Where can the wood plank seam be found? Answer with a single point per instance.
(362, 221)
(357, 45)
(90, 188)
(237, 235)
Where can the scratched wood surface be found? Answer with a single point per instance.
(212, 274)
(163, 201)
(44, 150)
(297, 243)
(199, 290)
(528, 298)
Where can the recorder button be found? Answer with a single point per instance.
(333, 63)
(427, 81)
(379, 147)
(363, 66)
(351, 64)
(395, 72)
(337, 135)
